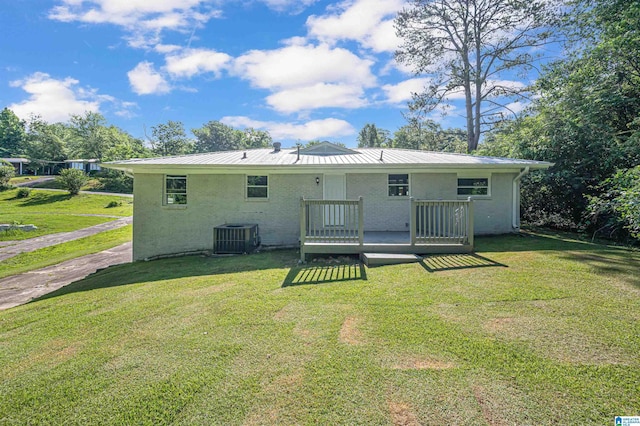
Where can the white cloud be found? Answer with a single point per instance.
(305, 77)
(401, 92)
(368, 22)
(319, 95)
(293, 6)
(516, 107)
(190, 62)
(314, 129)
(298, 66)
(166, 48)
(145, 80)
(55, 100)
(143, 19)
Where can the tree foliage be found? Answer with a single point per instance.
(429, 135)
(586, 121)
(46, 144)
(92, 138)
(6, 173)
(371, 136)
(466, 47)
(12, 134)
(72, 180)
(216, 136)
(615, 211)
(170, 139)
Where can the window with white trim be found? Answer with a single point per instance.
(258, 187)
(473, 186)
(175, 190)
(398, 185)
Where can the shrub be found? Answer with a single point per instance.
(23, 193)
(115, 181)
(616, 211)
(6, 173)
(113, 203)
(72, 180)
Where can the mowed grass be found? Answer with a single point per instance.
(20, 179)
(54, 212)
(92, 184)
(59, 253)
(532, 330)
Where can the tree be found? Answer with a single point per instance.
(72, 180)
(371, 137)
(466, 48)
(429, 135)
(616, 210)
(6, 173)
(216, 136)
(586, 120)
(12, 134)
(256, 138)
(170, 139)
(46, 143)
(90, 139)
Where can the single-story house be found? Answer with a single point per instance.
(88, 166)
(18, 163)
(325, 199)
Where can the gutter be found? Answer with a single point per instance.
(516, 199)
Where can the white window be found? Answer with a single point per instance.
(257, 187)
(473, 186)
(175, 190)
(398, 185)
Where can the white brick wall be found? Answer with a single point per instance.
(217, 199)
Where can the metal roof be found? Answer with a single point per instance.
(16, 160)
(289, 158)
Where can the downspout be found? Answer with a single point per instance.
(516, 199)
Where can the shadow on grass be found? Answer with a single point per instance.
(176, 268)
(320, 274)
(610, 262)
(450, 262)
(539, 240)
(43, 199)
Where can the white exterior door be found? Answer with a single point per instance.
(335, 188)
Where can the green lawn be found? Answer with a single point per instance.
(56, 212)
(533, 330)
(92, 184)
(21, 178)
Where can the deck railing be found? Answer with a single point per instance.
(442, 222)
(331, 221)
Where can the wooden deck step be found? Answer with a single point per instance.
(377, 259)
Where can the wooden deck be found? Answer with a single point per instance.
(336, 227)
(385, 242)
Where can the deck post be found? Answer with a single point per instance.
(360, 221)
(412, 222)
(303, 228)
(470, 222)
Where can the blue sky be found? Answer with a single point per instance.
(300, 69)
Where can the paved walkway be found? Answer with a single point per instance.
(22, 288)
(35, 181)
(9, 249)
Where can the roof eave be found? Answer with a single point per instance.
(160, 168)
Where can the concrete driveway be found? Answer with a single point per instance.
(12, 248)
(22, 288)
(19, 289)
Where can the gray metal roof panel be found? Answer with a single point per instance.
(361, 156)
